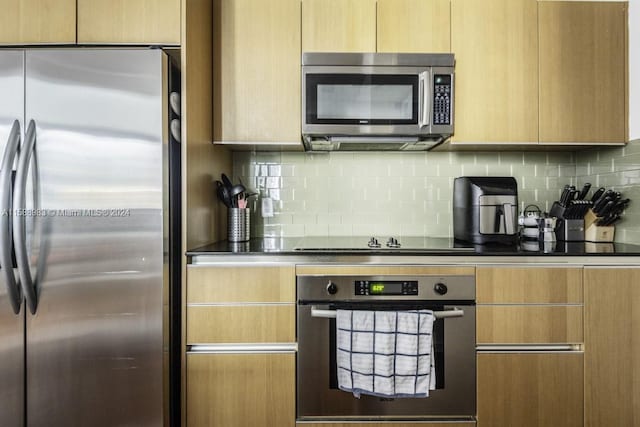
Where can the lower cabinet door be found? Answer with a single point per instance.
(530, 389)
(241, 390)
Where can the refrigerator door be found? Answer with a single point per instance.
(11, 324)
(95, 237)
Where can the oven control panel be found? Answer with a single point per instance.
(319, 289)
(386, 287)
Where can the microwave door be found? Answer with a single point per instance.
(356, 99)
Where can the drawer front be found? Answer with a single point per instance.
(228, 390)
(240, 284)
(530, 390)
(535, 285)
(241, 324)
(529, 324)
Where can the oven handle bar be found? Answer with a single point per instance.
(331, 314)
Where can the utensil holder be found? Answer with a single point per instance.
(570, 230)
(238, 224)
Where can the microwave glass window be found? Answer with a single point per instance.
(366, 102)
(371, 99)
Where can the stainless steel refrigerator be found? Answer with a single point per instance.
(89, 238)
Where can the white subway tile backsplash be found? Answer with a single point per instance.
(411, 193)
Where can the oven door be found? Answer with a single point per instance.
(318, 395)
(366, 100)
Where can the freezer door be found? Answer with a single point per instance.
(95, 238)
(11, 324)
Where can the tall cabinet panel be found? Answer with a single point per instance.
(612, 346)
(38, 21)
(339, 25)
(496, 48)
(582, 71)
(414, 26)
(129, 21)
(256, 82)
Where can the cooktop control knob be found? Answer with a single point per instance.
(373, 243)
(332, 288)
(440, 288)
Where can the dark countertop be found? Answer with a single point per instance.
(437, 246)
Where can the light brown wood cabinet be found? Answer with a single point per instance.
(612, 346)
(416, 26)
(376, 26)
(256, 72)
(583, 71)
(240, 313)
(37, 22)
(241, 390)
(558, 78)
(338, 25)
(496, 47)
(112, 22)
(521, 311)
(129, 22)
(240, 305)
(529, 305)
(530, 390)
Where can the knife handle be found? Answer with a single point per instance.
(600, 204)
(599, 192)
(584, 191)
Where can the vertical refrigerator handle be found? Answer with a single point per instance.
(6, 263)
(19, 233)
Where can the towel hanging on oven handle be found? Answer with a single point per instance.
(331, 314)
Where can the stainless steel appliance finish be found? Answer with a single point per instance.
(91, 233)
(485, 209)
(452, 297)
(498, 214)
(376, 101)
(12, 311)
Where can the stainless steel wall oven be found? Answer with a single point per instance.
(452, 298)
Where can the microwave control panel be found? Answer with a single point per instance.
(442, 99)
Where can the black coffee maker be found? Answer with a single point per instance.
(485, 209)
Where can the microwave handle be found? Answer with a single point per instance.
(423, 101)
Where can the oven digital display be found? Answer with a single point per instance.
(386, 287)
(382, 288)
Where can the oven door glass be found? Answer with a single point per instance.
(362, 99)
(318, 395)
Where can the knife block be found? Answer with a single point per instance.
(597, 233)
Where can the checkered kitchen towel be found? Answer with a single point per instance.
(385, 353)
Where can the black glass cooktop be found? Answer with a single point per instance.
(391, 243)
(407, 245)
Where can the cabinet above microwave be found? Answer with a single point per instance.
(376, 101)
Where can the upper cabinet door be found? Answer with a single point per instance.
(339, 25)
(38, 22)
(583, 71)
(256, 82)
(414, 26)
(496, 47)
(129, 22)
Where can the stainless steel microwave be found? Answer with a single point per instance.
(376, 101)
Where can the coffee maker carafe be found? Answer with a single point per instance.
(485, 209)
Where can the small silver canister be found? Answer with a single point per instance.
(239, 224)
